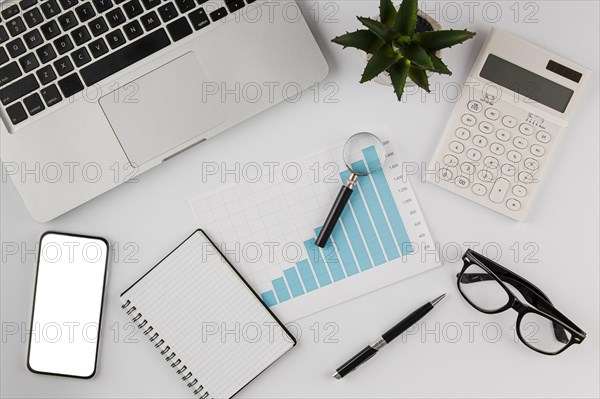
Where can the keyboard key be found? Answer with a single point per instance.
(33, 17)
(70, 85)
(133, 9)
(179, 29)
(218, 14)
(51, 95)
(234, 5)
(15, 48)
(98, 26)
(115, 39)
(63, 66)
(128, 55)
(150, 21)
(18, 89)
(50, 30)
(150, 3)
(33, 38)
(16, 113)
(63, 44)
(85, 12)
(67, 21)
(133, 30)
(46, 53)
(199, 19)
(81, 35)
(102, 5)
(15, 26)
(167, 12)
(46, 74)
(200, 2)
(9, 73)
(81, 56)
(66, 4)
(98, 47)
(25, 4)
(10, 11)
(3, 34)
(29, 62)
(50, 8)
(34, 104)
(115, 17)
(3, 56)
(185, 5)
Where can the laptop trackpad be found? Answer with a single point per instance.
(162, 109)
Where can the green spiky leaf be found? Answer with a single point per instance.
(440, 39)
(438, 65)
(406, 18)
(361, 39)
(381, 60)
(419, 76)
(387, 12)
(382, 31)
(416, 55)
(398, 73)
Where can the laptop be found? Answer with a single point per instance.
(95, 92)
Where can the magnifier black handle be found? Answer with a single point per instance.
(334, 214)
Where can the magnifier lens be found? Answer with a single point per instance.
(364, 153)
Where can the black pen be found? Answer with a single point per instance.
(385, 339)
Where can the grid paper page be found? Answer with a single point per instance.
(208, 317)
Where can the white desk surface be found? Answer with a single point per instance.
(456, 352)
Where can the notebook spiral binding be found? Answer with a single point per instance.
(187, 377)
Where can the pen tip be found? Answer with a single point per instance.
(438, 299)
(336, 375)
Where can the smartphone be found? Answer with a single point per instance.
(67, 305)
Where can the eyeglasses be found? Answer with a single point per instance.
(485, 285)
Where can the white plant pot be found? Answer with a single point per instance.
(384, 77)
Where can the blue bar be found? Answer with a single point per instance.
(364, 222)
(356, 241)
(269, 298)
(281, 290)
(387, 199)
(387, 239)
(339, 239)
(307, 275)
(332, 260)
(291, 276)
(314, 255)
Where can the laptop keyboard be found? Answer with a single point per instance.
(53, 49)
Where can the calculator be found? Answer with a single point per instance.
(512, 111)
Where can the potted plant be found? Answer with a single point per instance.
(403, 43)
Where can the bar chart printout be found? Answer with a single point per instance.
(381, 237)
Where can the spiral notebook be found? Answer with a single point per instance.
(204, 320)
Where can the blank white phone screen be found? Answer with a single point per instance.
(67, 305)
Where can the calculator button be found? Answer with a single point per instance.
(473, 154)
(520, 142)
(450, 160)
(497, 148)
(457, 147)
(514, 156)
(491, 162)
(526, 177)
(479, 141)
(474, 106)
(492, 113)
(526, 129)
(468, 120)
(499, 190)
(486, 127)
(445, 174)
(503, 135)
(478, 189)
(468, 168)
(513, 204)
(543, 137)
(519, 191)
(486, 175)
(508, 169)
(462, 133)
(532, 164)
(462, 182)
(537, 150)
(509, 121)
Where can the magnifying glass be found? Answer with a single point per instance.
(363, 154)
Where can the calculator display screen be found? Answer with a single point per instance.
(526, 83)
